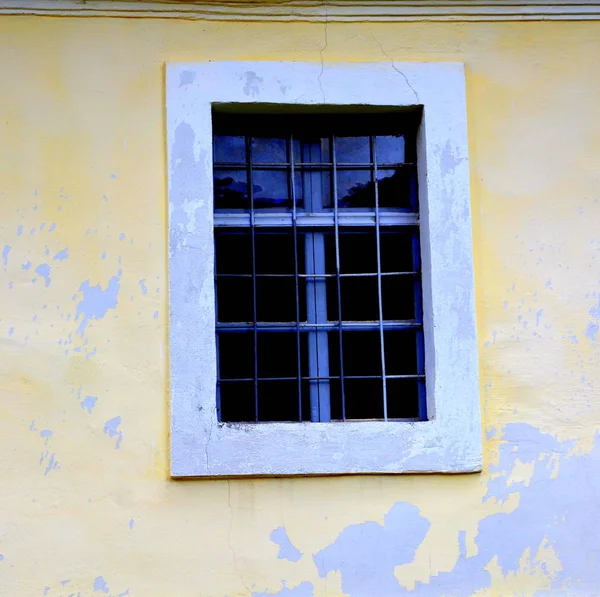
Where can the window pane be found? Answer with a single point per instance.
(358, 252)
(276, 299)
(394, 188)
(389, 149)
(277, 354)
(403, 398)
(398, 297)
(400, 352)
(361, 353)
(229, 149)
(364, 398)
(397, 250)
(275, 251)
(355, 189)
(268, 150)
(231, 189)
(233, 252)
(352, 150)
(234, 300)
(278, 401)
(359, 299)
(271, 189)
(236, 355)
(237, 401)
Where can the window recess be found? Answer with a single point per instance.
(319, 313)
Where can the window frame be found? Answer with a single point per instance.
(450, 440)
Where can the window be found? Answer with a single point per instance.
(317, 268)
(319, 223)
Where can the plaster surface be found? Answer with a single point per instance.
(87, 505)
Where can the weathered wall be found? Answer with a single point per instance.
(86, 503)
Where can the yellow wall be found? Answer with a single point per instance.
(86, 503)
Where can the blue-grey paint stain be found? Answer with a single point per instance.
(46, 589)
(45, 433)
(591, 331)
(538, 316)
(65, 582)
(286, 550)
(122, 236)
(42, 225)
(103, 256)
(19, 230)
(43, 270)
(52, 464)
(366, 554)
(88, 403)
(304, 589)
(5, 253)
(252, 85)
(131, 523)
(96, 302)
(143, 286)
(26, 265)
(62, 255)
(1, 557)
(11, 331)
(111, 428)
(186, 77)
(100, 585)
(155, 314)
(113, 176)
(52, 227)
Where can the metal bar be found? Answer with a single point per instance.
(310, 165)
(253, 240)
(308, 377)
(285, 326)
(420, 344)
(372, 143)
(292, 183)
(336, 220)
(362, 275)
(274, 218)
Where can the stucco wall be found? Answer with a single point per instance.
(86, 503)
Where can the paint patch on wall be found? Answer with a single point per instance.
(111, 428)
(286, 550)
(96, 301)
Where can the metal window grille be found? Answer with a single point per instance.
(317, 268)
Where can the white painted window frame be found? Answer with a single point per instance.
(451, 440)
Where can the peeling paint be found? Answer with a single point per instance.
(111, 428)
(43, 271)
(96, 302)
(286, 550)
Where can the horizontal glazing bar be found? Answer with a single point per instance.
(360, 275)
(311, 165)
(315, 219)
(316, 378)
(291, 326)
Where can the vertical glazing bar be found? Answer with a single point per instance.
(217, 338)
(379, 292)
(420, 347)
(337, 269)
(252, 234)
(295, 234)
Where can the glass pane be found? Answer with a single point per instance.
(359, 299)
(236, 355)
(231, 189)
(312, 151)
(358, 252)
(361, 353)
(397, 250)
(277, 354)
(398, 297)
(355, 188)
(352, 150)
(403, 398)
(276, 299)
(400, 352)
(364, 398)
(234, 300)
(237, 401)
(278, 401)
(275, 251)
(271, 189)
(229, 149)
(233, 252)
(389, 149)
(269, 150)
(315, 187)
(394, 188)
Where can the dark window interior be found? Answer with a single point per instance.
(318, 283)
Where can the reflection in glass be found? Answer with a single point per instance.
(355, 188)
(268, 150)
(230, 149)
(394, 188)
(389, 149)
(231, 189)
(352, 150)
(270, 189)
